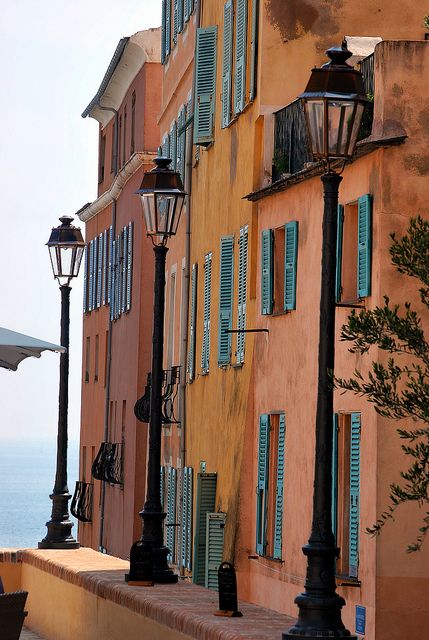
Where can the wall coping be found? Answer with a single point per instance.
(185, 607)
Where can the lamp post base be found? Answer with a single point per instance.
(59, 534)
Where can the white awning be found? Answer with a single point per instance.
(15, 347)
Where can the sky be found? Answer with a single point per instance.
(53, 56)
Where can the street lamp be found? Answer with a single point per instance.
(334, 101)
(162, 196)
(66, 247)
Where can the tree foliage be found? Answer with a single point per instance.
(399, 390)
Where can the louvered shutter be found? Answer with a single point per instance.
(118, 274)
(187, 9)
(110, 275)
(215, 534)
(206, 502)
(354, 494)
(85, 281)
(339, 253)
(166, 146)
(205, 355)
(267, 272)
(364, 246)
(242, 291)
(228, 17)
(113, 279)
(173, 145)
(162, 485)
(192, 323)
(124, 268)
(167, 27)
(129, 265)
(334, 499)
(181, 142)
(163, 30)
(105, 269)
(181, 16)
(261, 490)
(186, 522)
(225, 298)
(170, 525)
(91, 274)
(278, 515)
(95, 276)
(240, 56)
(254, 49)
(99, 270)
(205, 77)
(291, 255)
(175, 20)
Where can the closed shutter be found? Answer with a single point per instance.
(124, 268)
(242, 291)
(205, 354)
(162, 485)
(187, 9)
(110, 275)
(192, 323)
(175, 20)
(91, 275)
(173, 145)
(254, 49)
(240, 56)
(267, 272)
(215, 534)
(99, 270)
(180, 16)
(85, 281)
(364, 246)
(206, 502)
(291, 254)
(334, 498)
(105, 269)
(278, 516)
(167, 27)
(205, 77)
(170, 525)
(181, 142)
(129, 265)
(354, 494)
(225, 298)
(113, 280)
(118, 274)
(339, 253)
(166, 146)
(186, 523)
(261, 490)
(163, 30)
(228, 17)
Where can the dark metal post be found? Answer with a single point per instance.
(152, 513)
(59, 526)
(320, 606)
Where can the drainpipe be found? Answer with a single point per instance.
(109, 335)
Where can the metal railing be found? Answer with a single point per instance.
(108, 463)
(170, 388)
(367, 69)
(291, 144)
(81, 504)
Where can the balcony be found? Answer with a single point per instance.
(108, 463)
(367, 69)
(81, 504)
(170, 389)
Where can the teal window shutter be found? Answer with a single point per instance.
(228, 20)
(180, 16)
(205, 503)
(175, 20)
(225, 298)
(162, 485)
(99, 269)
(334, 497)
(215, 534)
(205, 80)
(110, 274)
(163, 30)
(170, 524)
(267, 279)
(354, 494)
(192, 323)
(186, 521)
(113, 280)
(261, 490)
(181, 142)
(242, 291)
(364, 246)
(240, 56)
(85, 281)
(173, 145)
(187, 9)
(124, 251)
(118, 275)
(105, 269)
(94, 272)
(291, 257)
(167, 27)
(339, 253)
(129, 265)
(254, 49)
(205, 354)
(278, 516)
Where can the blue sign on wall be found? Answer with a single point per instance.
(360, 619)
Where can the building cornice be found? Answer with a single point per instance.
(137, 160)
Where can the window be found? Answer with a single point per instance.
(97, 349)
(87, 358)
(242, 292)
(354, 232)
(120, 141)
(345, 490)
(170, 523)
(225, 299)
(85, 281)
(113, 155)
(133, 123)
(101, 159)
(120, 272)
(269, 491)
(240, 56)
(205, 354)
(186, 520)
(228, 25)
(181, 142)
(192, 322)
(279, 254)
(205, 504)
(205, 89)
(124, 138)
(171, 319)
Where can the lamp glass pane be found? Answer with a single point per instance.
(356, 126)
(148, 203)
(315, 119)
(340, 124)
(165, 210)
(78, 260)
(54, 261)
(179, 206)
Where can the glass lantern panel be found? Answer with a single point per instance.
(179, 206)
(356, 126)
(54, 260)
(67, 257)
(165, 208)
(148, 202)
(315, 119)
(78, 260)
(340, 125)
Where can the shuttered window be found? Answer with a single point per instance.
(181, 142)
(215, 534)
(267, 272)
(124, 268)
(262, 486)
(205, 93)
(167, 27)
(205, 503)
(364, 246)
(162, 485)
(228, 22)
(254, 49)
(278, 515)
(105, 269)
(205, 353)
(129, 265)
(170, 522)
(354, 494)
(339, 252)
(110, 275)
(85, 281)
(181, 10)
(91, 275)
(173, 145)
(112, 279)
(334, 498)
(175, 20)
(291, 254)
(186, 519)
(188, 6)
(225, 298)
(163, 29)
(99, 270)
(240, 56)
(192, 322)
(242, 291)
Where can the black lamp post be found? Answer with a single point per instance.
(334, 102)
(162, 197)
(66, 249)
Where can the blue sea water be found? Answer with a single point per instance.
(27, 476)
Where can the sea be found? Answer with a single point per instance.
(27, 476)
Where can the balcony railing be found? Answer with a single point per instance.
(367, 69)
(170, 389)
(108, 463)
(81, 504)
(291, 145)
